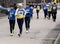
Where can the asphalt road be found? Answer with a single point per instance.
(42, 31)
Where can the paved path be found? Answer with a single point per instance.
(42, 31)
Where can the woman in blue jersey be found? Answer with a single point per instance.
(11, 17)
(28, 15)
(20, 17)
(45, 10)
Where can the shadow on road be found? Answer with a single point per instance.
(52, 35)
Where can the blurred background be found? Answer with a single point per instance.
(4, 4)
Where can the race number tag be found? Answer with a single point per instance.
(54, 8)
(11, 14)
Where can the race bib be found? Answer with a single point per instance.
(11, 14)
(49, 9)
(20, 16)
(54, 8)
(45, 8)
(27, 11)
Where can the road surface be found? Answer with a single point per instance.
(42, 31)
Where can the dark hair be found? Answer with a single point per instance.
(11, 5)
(54, 3)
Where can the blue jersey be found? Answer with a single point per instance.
(11, 15)
(44, 7)
(29, 11)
